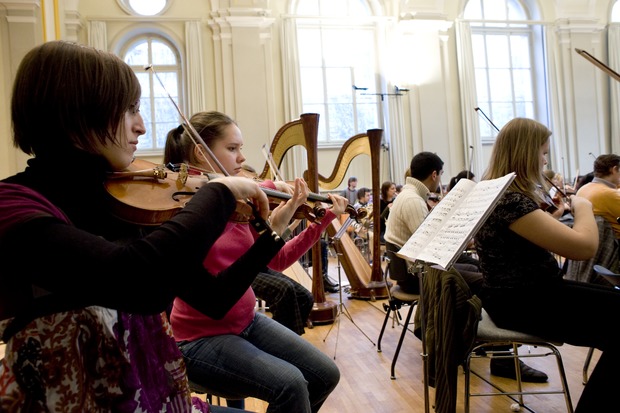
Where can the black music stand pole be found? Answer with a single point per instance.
(419, 271)
(342, 309)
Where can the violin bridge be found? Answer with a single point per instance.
(183, 173)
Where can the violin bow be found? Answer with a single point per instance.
(259, 224)
(269, 158)
(599, 64)
(193, 133)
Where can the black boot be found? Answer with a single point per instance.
(505, 367)
(328, 285)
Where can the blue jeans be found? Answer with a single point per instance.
(267, 361)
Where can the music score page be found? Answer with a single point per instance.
(447, 229)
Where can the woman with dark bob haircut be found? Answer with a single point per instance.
(83, 303)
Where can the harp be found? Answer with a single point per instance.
(304, 131)
(366, 281)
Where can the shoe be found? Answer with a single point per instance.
(329, 286)
(506, 368)
(327, 281)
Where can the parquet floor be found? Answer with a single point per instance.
(366, 386)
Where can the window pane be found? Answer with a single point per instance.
(500, 55)
(367, 117)
(520, 51)
(339, 83)
(309, 41)
(515, 11)
(162, 131)
(615, 12)
(479, 50)
(308, 7)
(147, 7)
(340, 122)
(145, 142)
(312, 85)
(502, 113)
(523, 84)
(162, 54)
(482, 82)
(494, 10)
(170, 82)
(138, 55)
(500, 85)
(143, 78)
(334, 59)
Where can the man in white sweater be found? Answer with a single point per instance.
(409, 210)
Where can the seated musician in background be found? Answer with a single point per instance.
(410, 208)
(461, 175)
(388, 193)
(603, 192)
(246, 353)
(351, 192)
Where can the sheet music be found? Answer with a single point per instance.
(450, 225)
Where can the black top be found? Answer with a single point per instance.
(506, 258)
(102, 260)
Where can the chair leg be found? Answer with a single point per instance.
(400, 340)
(553, 351)
(586, 365)
(388, 309)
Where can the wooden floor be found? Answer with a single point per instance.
(365, 384)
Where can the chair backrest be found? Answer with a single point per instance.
(608, 256)
(399, 267)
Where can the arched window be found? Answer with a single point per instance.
(144, 7)
(337, 53)
(615, 12)
(508, 49)
(158, 111)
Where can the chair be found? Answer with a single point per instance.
(397, 298)
(199, 389)
(490, 336)
(607, 257)
(613, 279)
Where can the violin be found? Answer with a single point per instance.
(549, 204)
(311, 210)
(149, 194)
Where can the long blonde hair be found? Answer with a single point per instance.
(517, 149)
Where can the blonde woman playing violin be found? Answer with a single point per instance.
(523, 287)
(245, 353)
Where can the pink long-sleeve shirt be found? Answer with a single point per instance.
(189, 324)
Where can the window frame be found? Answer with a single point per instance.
(350, 99)
(537, 107)
(129, 9)
(151, 120)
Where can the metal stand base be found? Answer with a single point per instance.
(342, 310)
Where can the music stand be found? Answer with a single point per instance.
(341, 308)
